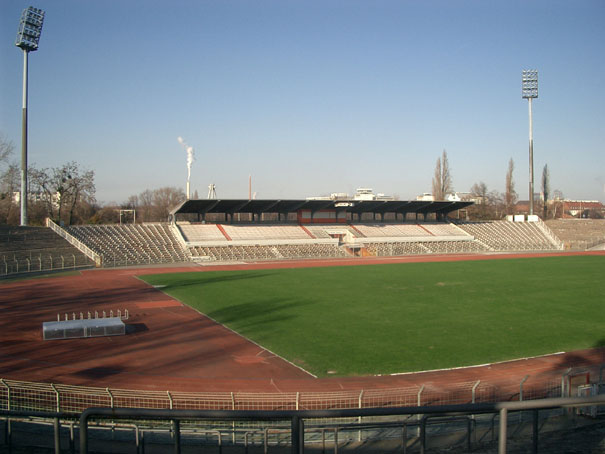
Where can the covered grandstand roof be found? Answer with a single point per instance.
(232, 206)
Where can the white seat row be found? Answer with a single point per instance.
(391, 230)
(277, 232)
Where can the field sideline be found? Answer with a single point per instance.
(381, 319)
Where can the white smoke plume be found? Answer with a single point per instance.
(190, 155)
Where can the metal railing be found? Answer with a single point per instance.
(75, 242)
(301, 428)
(297, 418)
(22, 395)
(13, 264)
(550, 234)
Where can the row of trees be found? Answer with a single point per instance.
(66, 194)
(493, 204)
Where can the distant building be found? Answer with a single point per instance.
(583, 208)
(565, 208)
(37, 197)
(453, 197)
(360, 194)
(426, 197)
(368, 194)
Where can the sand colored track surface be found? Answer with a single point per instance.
(170, 346)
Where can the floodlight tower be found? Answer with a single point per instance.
(28, 36)
(529, 89)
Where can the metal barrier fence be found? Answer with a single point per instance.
(297, 418)
(36, 261)
(92, 255)
(33, 396)
(298, 429)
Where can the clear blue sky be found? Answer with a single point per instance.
(310, 97)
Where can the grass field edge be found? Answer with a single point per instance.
(229, 329)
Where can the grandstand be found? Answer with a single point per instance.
(125, 245)
(280, 230)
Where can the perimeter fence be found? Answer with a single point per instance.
(41, 260)
(33, 396)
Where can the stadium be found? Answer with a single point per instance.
(122, 329)
(327, 324)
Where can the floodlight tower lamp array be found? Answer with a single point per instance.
(30, 29)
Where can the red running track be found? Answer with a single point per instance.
(173, 347)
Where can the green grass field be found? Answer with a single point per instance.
(381, 319)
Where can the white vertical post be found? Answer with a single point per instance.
(474, 390)
(8, 394)
(531, 159)
(521, 387)
(24, 143)
(58, 397)
(418, 401)
(360, 404)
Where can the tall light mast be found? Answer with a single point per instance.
(529, 89)
(28, 36)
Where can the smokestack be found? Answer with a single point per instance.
(190, 158)
(249, 187)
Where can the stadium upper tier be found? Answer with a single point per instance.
(195, 234)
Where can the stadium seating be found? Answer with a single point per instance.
(391, 230)
(274, 232)
(267, 252)
(193, 233)
(29, 249)
(228, 242)
(121, 245)
(579, 234)
(131, 244)
(510, 236)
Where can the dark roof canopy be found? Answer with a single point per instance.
(233, 206)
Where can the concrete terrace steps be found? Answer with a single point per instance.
(34, 249)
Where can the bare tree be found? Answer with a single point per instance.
(165, 199)
(81, 190)
(63, 188)
(10, 182)
(510, 195)
(155, 205)
(442, 180)
(9, 179)
(42, 186)
(479, 191)
(545, 189)
(6, 149)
